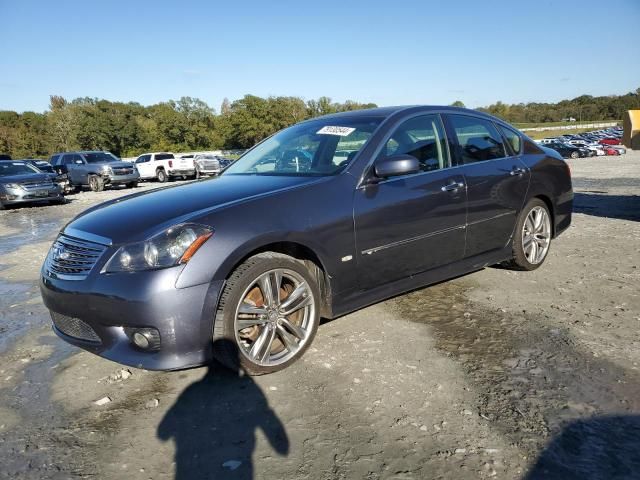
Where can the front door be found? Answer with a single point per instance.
(497, 181)
(410, 224)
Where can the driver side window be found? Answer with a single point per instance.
(421, 137)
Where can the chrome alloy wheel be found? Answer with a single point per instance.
(274, 319)
(536, 235)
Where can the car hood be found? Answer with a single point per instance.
(27, 177)
(138, 216)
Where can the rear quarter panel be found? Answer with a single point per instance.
(551, 179)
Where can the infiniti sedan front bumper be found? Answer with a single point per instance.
(99, 313)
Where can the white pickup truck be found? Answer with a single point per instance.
(163, 166)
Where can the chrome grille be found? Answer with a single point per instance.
(74, 327)
(37, 185)
(122, 171)
(72, 259)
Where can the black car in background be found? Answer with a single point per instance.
(4, 156)
(61, 178)
(566, 150)
(41, 165)
(320, 219)
(22, 183)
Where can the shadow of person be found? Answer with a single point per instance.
(213, 425)
(605, 447)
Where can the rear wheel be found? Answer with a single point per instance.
(161, 175)
(532, 238)
(96, 184)
(268, 314)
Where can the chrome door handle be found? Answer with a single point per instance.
(452, 187)
(517, 171)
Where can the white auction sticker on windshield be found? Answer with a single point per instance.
(340, 131)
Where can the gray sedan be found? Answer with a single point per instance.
(22, 183)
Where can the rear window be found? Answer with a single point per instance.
(478, 139)
(513, 139)
(165, 156)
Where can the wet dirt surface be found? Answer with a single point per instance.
(497, 374)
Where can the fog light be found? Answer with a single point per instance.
(144, 338)
(140, 340)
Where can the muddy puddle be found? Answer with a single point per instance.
(565, 408)
(19, 228)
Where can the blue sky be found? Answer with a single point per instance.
(392, 52)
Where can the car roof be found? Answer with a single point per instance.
(82, 151)
(385, 112)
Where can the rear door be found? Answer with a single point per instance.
(410, 224)
(497, 181)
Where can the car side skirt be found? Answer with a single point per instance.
(351, 302)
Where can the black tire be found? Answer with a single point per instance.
(96, 183)
(574, 155)
(225, 347)
(161, 175)
(519, 260)
(132, 184)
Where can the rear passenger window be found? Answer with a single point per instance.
(423, 138)
(478, 139)
(513, 139)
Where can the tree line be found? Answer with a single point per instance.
(128, 129)
(190, 124)
(582, 108)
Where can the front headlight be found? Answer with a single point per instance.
(12, 186)
(107, 170)
(174, 246)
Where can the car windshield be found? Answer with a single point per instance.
(315, 148)
(16, 168)
(100, 157)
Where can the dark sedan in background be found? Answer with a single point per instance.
(22, 183)
(321, 219)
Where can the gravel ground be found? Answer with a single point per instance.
(497, 374)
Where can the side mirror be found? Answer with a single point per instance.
(396, 165)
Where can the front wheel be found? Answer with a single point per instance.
(96, 184)
(532, 239)
(268, 314)
(575, 154)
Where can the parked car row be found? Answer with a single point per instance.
(589, 144)
(21, 181)
(163, 166)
